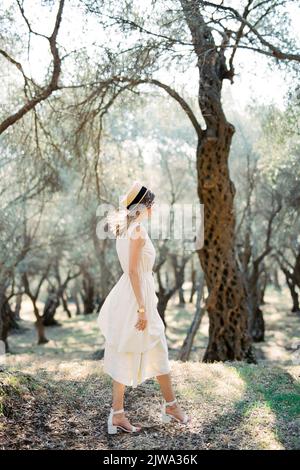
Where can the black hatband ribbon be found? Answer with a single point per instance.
(138, 197)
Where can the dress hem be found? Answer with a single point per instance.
(138, 383)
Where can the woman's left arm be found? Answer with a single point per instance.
(135, 248)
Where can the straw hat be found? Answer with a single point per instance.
(134, 196)
(128, 203)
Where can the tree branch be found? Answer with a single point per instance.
(184, 105)
(275, 52)
(53, 84)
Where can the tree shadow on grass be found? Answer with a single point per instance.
(276, 390)
(265, 417)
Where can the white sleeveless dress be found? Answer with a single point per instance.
(131, 356)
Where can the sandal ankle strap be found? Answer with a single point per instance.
(169, 403)
(118, 411)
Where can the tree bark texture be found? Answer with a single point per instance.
(226, 303)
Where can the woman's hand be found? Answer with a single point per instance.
(142, 321)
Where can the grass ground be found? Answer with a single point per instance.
(58, 397)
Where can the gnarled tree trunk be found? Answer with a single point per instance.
(227, 300)
(51, 305)
(88, 293)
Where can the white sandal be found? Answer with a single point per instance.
(167, 418)
(113, 428)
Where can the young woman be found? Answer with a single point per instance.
(135, 342)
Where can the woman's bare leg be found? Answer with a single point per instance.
(118, 404)
(166, 387)
(118, 395)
